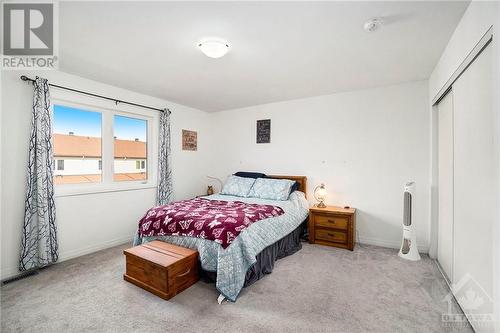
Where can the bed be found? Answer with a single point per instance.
(253, 252)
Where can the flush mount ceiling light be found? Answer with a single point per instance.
(372, 25)
(214, 48)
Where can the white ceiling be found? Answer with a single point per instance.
(279, 50)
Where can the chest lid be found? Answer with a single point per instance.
(161, 253)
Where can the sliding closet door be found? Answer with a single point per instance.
(474, 178)
(445, 176)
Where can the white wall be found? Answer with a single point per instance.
(365, 145)
(478, 18)
(128, 166)
(93, 221)
(78, 166)
(90, 166)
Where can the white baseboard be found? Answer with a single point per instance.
(392, 244)
(11, 272)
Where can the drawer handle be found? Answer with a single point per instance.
(331, 221)
(184, 274)
(332, 235)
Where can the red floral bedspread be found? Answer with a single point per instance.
(216, 220)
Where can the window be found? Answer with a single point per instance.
(140, 165)
(77, 145)
(130, 148)
(100, 146)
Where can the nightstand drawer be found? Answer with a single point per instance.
(336, 222)
(331, 236)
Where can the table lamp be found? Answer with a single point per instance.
(320, 195)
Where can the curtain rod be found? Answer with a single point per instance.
(25, 78)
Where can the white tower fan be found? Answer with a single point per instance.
(409, 248)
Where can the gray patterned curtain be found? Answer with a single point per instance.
(39, 239)
(165, 192)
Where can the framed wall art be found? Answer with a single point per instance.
(189, 140)
(264, 131)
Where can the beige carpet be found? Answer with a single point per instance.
(318, 289)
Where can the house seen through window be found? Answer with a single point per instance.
(77, 145)
(78, 138)
(130, 148)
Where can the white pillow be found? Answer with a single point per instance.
(273, 189)
(237, 186)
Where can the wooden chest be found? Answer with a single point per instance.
(333, 226)
(161, 268)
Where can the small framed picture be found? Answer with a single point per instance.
(189, 140)
(264, 131)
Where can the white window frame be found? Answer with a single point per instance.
(108, 110)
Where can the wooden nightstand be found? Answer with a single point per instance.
(332, 226)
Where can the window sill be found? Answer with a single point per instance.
(69, 190)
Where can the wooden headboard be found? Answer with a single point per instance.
(301, 180)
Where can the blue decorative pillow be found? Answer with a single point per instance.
(250, 174)
(273, 189)
(237, 186)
